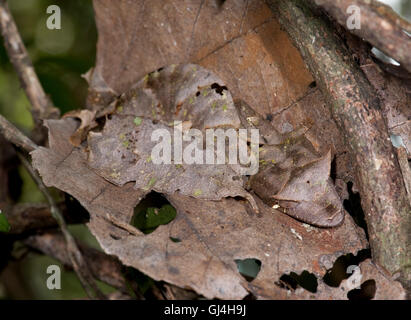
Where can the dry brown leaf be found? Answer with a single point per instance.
(87, 122)
(241, 43)
(380, 286)
(213, 233)
(293, 174)
(245, 47)
(122, 152)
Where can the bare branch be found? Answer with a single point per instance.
(42, 107)
(76, 258)
(380, 26)
(26, 217)
(102, 266)
(15, 136)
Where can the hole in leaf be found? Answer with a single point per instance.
(366, 292)
(249, 297)
(287, 282)
(176, 240)
(248, 268)
(219, 89)
(333, 173)
(305, 280)
(338, 272)
(354, 208)
(101, 122)
(397, 141)
(77, 211)
(383, 57)
(220, 3)
(154, 210)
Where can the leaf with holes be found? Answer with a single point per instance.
(200, 247)
(188, 94)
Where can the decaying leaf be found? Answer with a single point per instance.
(366, 282)
(241, 43)
(87, 122)
(245, 47)
(292, 175)
(122, 152)
(213, 234)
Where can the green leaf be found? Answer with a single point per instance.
(4, 224)
(147, 221)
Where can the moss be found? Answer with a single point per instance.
(137, 121)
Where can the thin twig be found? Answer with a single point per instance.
(15, 136)
(104, 267)
(76, 258)
(42, 107)
(27, 217)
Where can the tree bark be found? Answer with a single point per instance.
(379, 25)
(356, 110)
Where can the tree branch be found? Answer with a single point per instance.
(356, 110)
(27, 217)
(79, 265)
(102, 266)
(380, 26)
(42, 107)
(15, 136)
